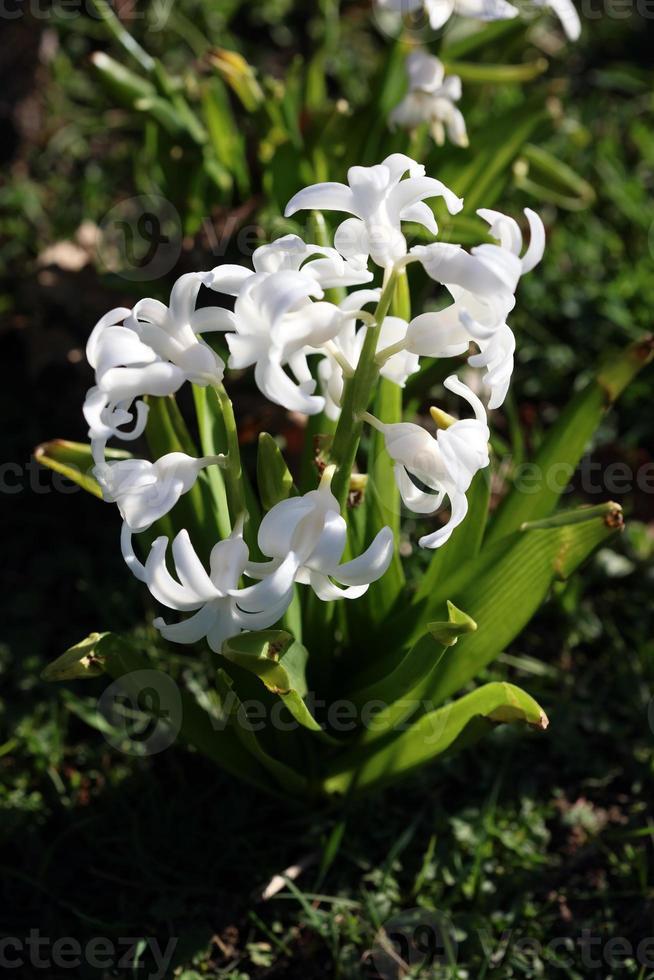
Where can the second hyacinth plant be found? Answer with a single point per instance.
(301, 584)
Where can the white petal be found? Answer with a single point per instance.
(566, 12)
(228, 279)
(279, 525)
(352, 241)
(276, 385)
(328, 196)
(416, 189)
(132, 562)
(190, 570)
(331, 545)
(161, 583)
(438, 538)
(536, 249)
(486, 9)
(504, 228)
(371, 565)
(439, 12)
(190, 630)
(225, 626)
(276, 588)
(421, 214)
(212, 318)
(452, 383)
(182, 299)
(418, 501)
(329, 592)
(228, 561)
(110, 319)
(153, 379)
(425, 71)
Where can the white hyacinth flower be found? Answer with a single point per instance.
(444, 465)
(482, 284)
(150, 350)
(305, 537)
(213, 597)
(145, 491)
(347, 348)
(431, 99)
(440, 11)
(292, 254)
(276, 325)
(380, 201)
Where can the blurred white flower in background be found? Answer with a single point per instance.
(431, 99)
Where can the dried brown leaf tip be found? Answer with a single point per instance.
(615, 518)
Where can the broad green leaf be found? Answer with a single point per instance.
(210, 735)
(74, 461)
(507, 584)
(274, 480)
(286, 777)
(279, 662)
(82, 661)
(448, 729)
(564, 444)
(389, 690)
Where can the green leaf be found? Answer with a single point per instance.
(166, 433)
(209, 734)
(388, 691)
(500, 74)
(74, 460)
(458, 624)
(482, 180)
(274, 480)
(226, 139)
(84, 660)
(286, 777)
(564, 444)
(123, 84)
(279, 662)
(239, 75)
(382, 501)
(506, 585)
(448, 729)
(548, 178)
(213, 442)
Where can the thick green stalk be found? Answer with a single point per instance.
(233, 471)
(356, 399)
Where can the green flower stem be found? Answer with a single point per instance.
(233, 471)
(356, 398)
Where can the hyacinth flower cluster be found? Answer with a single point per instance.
(310, 354)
